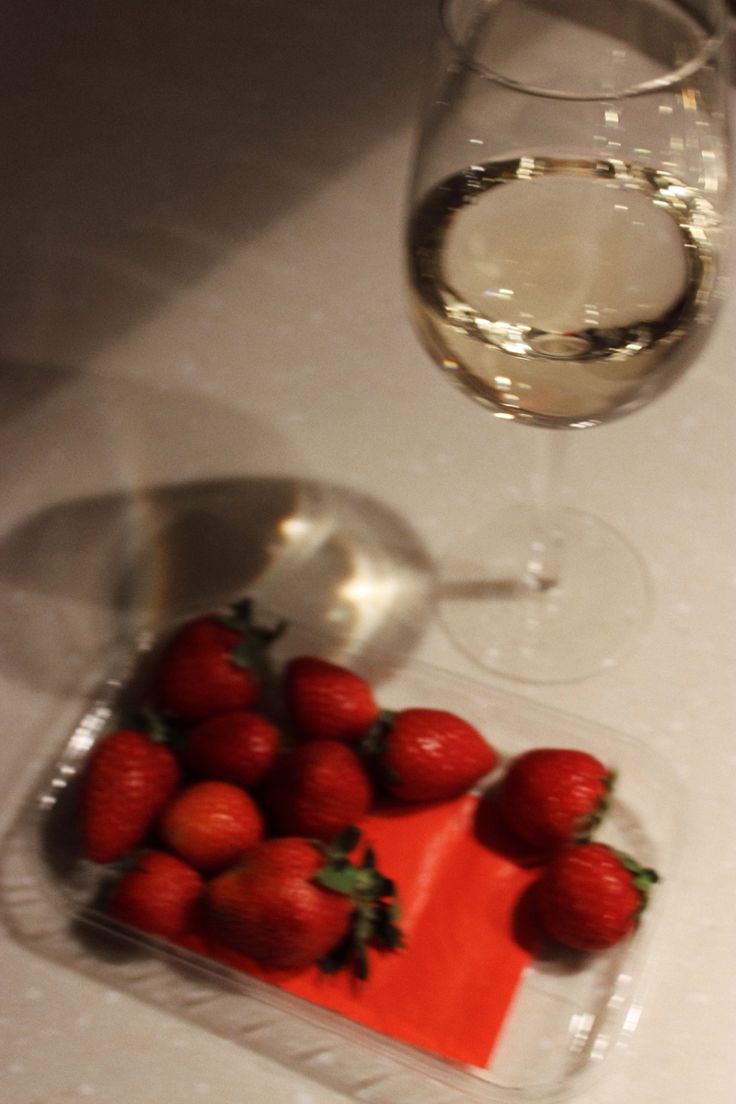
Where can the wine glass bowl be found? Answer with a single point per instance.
(564, 236)
(564, 243)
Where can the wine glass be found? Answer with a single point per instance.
(564, 241)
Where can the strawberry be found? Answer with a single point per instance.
(214, 664)
(428, 754)
(158, 895)
(235, 747)
(128, 779)
(290, 903)
(326, 701)
(317, 789)
(210, 824)
(590, 896)
(551, 796)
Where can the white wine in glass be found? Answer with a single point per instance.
(564, 242)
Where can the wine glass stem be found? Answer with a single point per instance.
(541, 570)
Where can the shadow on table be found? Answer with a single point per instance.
(143, 142)
(83, 574)
(133, 551)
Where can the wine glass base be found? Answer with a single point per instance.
(556, 631)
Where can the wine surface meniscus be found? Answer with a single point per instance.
(562, 292)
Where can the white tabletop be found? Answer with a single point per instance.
(203, 282)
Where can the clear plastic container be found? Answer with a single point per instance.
(568, 1017)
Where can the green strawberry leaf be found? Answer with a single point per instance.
(393, 909)
(340, 879)
(248, 653)
(360, 961)
(375, 906)
(159, 728)
(385, 930)
(643, 877)
(338, 957)
(373, 743)
(345, 841)
(372, 885)
(255, 639)
(156, 727)
(241, 618)
(362, 926)
(387, 887)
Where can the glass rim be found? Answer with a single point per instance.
(710, 46)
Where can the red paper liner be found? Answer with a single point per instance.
(462, 894)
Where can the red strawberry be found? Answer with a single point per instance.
(551, 796)
(214, 664)
(328, 702)
(590, 896)
(158, 896)
(430, 755)
(127, 781)
(317, 789)
(232, 747)
(210, 825)
(291, 903)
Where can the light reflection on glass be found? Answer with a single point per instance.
(370, 594)
(581, 1025)
(294, 527)
(689, 99)
(631, 1020)
(600, 1047)
(617, 998)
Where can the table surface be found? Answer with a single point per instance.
(202, 321)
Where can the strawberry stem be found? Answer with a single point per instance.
(255, 640)
(644, 877)
(151, 723)
(375, 904)
(240, 617)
